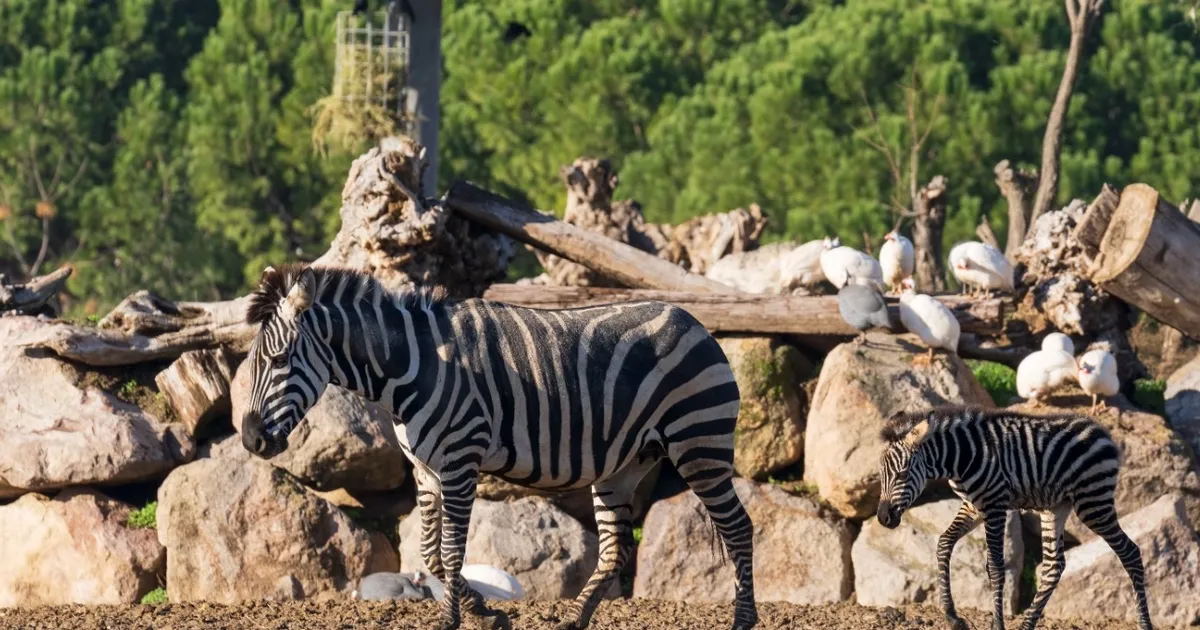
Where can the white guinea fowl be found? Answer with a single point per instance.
(981, 266)
(1048, 369)
(845, 265)
(930, 320)
(897, 259)
(1098, 376)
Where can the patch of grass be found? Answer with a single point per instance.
(1000, 381)
(637, 535)
(157, 596)
(134, 385)
(145, 517)
(1150, 395)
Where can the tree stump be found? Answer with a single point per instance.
(1149, 257)
(196, 386)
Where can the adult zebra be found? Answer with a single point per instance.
(556, 400)
(999, 460)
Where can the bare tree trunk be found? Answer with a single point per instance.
(1015, 185)
(985, 233)
(1082, 15)
(929, 205)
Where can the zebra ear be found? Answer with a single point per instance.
(267, 273)
(300, 296)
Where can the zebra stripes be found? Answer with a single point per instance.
(551, 399)
(997, 461)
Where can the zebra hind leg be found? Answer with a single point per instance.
(1101, 517)
(1053, 561)
(706, 464)
(966, 520)
(612, 500)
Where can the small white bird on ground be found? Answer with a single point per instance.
(981, 267)
(928, 319)
(488, 581)
(845, 265)
(1098, 377)
(1048, 369)
(897, 259)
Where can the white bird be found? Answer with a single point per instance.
(928, 319)
(981, 266)
(846, 265)
(1098, 376)
(1046, 370)
(897, 259)
(488, 581)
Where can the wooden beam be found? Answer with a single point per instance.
(1149, 258)
(747, 313)
(622, 262)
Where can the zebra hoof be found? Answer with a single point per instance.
(956, 623)
(568, 625)
(449, 625)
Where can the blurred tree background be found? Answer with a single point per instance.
(166, 144)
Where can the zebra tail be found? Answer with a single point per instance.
(716, 545)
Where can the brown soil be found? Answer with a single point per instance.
(612, 615)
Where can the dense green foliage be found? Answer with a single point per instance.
(1150, 394)
(999, 380)
(172, 137)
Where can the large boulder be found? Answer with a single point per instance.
(1155, 461)
(801, 550)
(549, 552)
(860, 386)
(1094, 585)
(1183, 403)
(770, 424)
(345, 441)
(59, 429)
(236, 527)
(76, 548)
(894, 567)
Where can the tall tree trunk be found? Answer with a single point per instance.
(1082, 15)
(929, 206)
(1015, 185)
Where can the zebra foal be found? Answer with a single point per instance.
(996, 461)
(550, 399)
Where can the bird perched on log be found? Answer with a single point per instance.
(1098, 377)
(863, 308)
(981, 267)
(930, 320)
(846, 265)
(1048, 369)
(897, 259)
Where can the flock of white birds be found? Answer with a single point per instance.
(982, 269)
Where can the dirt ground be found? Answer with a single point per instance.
(612, 615)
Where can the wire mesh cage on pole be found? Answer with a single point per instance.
(371, 66)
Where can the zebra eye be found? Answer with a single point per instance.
(279, 362)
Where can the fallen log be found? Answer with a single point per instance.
(624, 263)
(747, 313)
(1090, 229)
(1149, 256)
(98, 347)
(33, 297)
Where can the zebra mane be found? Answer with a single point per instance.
(277, 281)
(900, 424)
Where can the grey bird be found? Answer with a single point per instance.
(392, 586)
(863, 308)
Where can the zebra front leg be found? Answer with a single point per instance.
(429, 501)
(1101, 518)
(966, 520)
(1053, 561)
(612, 500)
(994, 525)
(458, 497)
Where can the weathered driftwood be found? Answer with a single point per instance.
(1089, 230)
(196, 386)
(1149, 257)
(1016, 186)
(146, 313)
(701, 241)
(743, 313)
(401, 238)
(622, 262)
(95, 346)
(35, 297)
(929, 209)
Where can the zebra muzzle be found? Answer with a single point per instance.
(888, 516)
